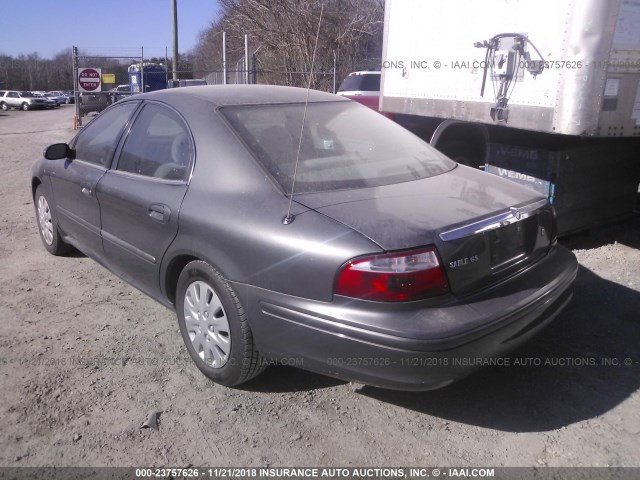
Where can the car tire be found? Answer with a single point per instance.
(214, 326)
(67, 101)
(47, 224)
(4, 106)
(25, 106)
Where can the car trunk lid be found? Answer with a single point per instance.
(484, 228)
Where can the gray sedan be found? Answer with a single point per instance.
(320, 232)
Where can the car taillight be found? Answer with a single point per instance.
(393, 277)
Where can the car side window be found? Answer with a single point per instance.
(98, 140)
(157, 146)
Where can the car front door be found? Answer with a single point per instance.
(74, 181)
(13, 99)
(141, 195)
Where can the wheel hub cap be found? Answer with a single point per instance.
(44, 219)
(207, 324)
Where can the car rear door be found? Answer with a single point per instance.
(73, 181)
(140, 197)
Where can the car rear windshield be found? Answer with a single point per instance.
(343, 145)
(368, 82)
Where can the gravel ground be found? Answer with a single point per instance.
(84, 358)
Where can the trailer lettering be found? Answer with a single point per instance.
(517, 152)
(516, 175)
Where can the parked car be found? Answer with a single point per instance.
(22, 100)
(119, 92)
(371, 257)
(363, 87)
(93, 102)
(70, 94)
(52, 100)
(60, 97)
(361, 83)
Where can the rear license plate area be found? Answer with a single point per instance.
(507, 244)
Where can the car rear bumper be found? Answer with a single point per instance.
(411, 346)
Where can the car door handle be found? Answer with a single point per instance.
(87, 190)
(159, 212)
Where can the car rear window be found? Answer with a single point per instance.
(344, 145)
(368, 82)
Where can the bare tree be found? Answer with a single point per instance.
(284, 32)
(30, 72)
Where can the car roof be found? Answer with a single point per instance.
(227, 95)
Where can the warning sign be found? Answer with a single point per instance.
(108, 78)
(89, 79)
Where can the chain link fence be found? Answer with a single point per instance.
(105, 75)
(240, 73)
(327, 80)
(122, 71)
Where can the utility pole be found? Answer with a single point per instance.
(174, 18)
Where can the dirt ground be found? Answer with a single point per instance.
(84, 358)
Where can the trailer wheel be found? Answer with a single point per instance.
(462, 153)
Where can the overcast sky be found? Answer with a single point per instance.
(110, 26)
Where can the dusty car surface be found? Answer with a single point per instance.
(389, 264)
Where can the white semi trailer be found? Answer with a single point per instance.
(544, 92)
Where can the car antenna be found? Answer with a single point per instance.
(289, 218)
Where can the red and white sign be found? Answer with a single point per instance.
(89, 79)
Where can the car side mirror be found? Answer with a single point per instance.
(58, 151)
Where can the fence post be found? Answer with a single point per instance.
(334, 72)
(224, 57)
(246, 59)
(78, 118)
